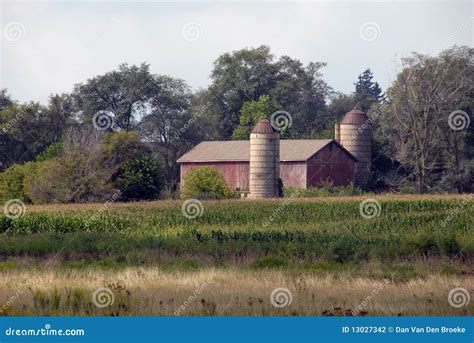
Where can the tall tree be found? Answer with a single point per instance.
(251, 113)
(237, 77)
(121, 92)
(367, 91)
(167, 125)
(246, 75)
(5, 99)
(338, 106)
(417, 119)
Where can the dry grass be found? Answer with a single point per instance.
(150, 291)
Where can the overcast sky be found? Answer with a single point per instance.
(47, 47)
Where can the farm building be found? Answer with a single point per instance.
(258, 163)
(303, 163)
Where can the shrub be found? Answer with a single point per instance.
(326, 190)
(12, 182)
(54, 150)
(67, 179)
(122, 147)
(205, 182)
(140, 179)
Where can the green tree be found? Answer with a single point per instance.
(251, 113)
(172, 125)
(339, 105)
(28, 129)
(367, 92)
(140, 179)
(77, 175)
(122, 92)
(417, 123)
(246, 75)
(301, 91)
(52, 151)
(119, 148)
(12, 182)
(5, 99)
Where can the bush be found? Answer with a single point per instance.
(12, 182)
(67, 179)
(326, 190)
(140, 179)
(122, 147)
(54, 150)
(205, 183)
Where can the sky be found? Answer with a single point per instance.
(49, 46)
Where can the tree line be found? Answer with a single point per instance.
(124, 130)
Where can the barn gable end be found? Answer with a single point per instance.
(332, 164)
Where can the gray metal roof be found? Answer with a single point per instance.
(221, 151)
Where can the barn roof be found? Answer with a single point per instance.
(222, 151)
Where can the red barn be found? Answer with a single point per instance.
(303, 163)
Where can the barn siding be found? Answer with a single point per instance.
(330, 163)
(236, 174)
(293, 174)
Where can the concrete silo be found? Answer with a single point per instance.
(355, 134)
(264, 160)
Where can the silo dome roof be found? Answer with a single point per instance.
(355, 117)
(264, 126)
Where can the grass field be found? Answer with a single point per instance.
(397, 255)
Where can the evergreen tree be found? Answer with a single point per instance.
(367, 92)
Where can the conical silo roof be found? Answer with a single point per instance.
(264, 126)
(355, 117)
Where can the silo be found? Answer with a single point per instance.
(355, 134)
(337, 133)
(264, 160)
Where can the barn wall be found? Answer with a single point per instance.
(331, 163)
(236, 174)
(293, 174)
